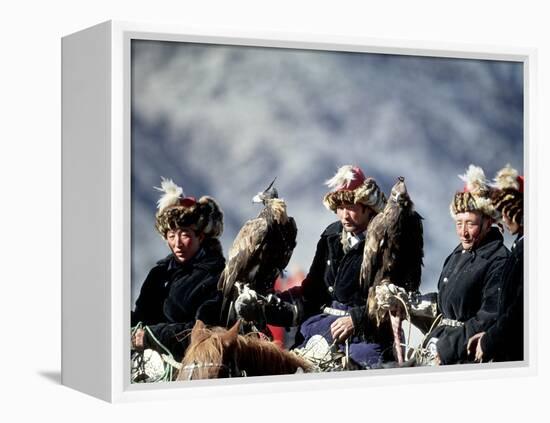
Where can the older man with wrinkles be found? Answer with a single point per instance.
(471, 275)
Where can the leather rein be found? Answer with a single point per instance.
(232, 370)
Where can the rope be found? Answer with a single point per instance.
(327, 362)
(136, 327)
(408, 317)
(167, 357)
(417, 352)
(171, 361)
(168, 369)
(347, 353)
(432, 326)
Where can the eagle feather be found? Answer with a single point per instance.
(343, 176)
(507, 178)
(171, 196)
(475, 180)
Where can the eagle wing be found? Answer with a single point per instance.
(271, 258)
(245, 247)
(289, 231)
(372, 252)
(412, 251)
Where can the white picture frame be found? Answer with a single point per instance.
(96, 190)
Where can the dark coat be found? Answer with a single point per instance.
(503, 341)
(468, 292)
(334, 276)
(173, 293)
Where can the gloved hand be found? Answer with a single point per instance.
(248, 306)
(279, 312)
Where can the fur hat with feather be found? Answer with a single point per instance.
(175, 210)
(508, 193)
(350, 186)
(476, 195)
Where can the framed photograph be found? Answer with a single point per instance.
(170, 132)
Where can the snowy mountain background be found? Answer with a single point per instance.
(224, 121)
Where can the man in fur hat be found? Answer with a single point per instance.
(503, 341)
(330, 302)
(183, 281)
(470, 279)
(333, 303)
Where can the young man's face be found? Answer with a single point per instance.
(184, 243)
(471, 228)
(354, 217)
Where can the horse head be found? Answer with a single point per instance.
(217, 352)
(209, 352)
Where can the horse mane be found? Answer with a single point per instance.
(217, 346)
(261, 357)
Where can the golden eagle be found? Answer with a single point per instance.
(392, 259)
(262, 248)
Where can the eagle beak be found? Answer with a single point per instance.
(258, 198)
(271, 184)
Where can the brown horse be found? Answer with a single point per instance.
(218, 353)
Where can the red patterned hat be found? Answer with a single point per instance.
(350, 186)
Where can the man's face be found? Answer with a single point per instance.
(184, 243)
(354, 217)
(471, 228)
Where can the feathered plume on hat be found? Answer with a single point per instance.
(508, 178)
(175, 210)
(172, 194)
(349, 186)
(476, 195)
(508, 193)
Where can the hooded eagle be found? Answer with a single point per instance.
(262, 248)
(392, 257)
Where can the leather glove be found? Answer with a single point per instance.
(282, 313)
(248, 306)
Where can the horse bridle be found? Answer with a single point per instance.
(232, 370)
(197, 365)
